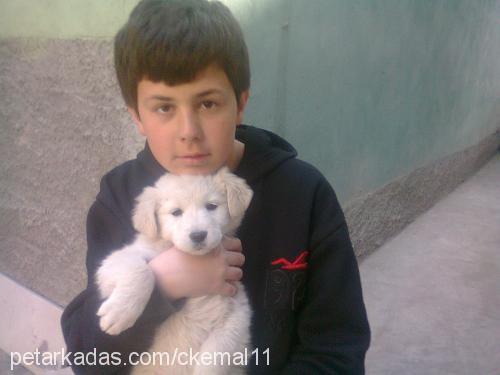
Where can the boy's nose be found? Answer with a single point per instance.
(198, 237)
(189, 127)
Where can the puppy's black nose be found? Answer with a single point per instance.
(198, 237)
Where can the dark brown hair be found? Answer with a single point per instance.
(173, 40)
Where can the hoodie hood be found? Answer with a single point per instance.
(264, 151)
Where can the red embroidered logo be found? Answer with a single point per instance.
(297, 264)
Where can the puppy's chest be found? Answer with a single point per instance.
(192, 325)
(208, 311)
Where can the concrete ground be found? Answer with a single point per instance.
(433, 292)
(5, 366)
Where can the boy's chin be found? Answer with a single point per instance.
(196, 171)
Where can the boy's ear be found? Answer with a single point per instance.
(242, 105)
(144, 215)
(238, 192)
(136, 119)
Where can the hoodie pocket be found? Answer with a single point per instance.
(284, 293)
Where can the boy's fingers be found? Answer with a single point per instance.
(234, 274)
(229, 289)
(232, 243)
(235, 259)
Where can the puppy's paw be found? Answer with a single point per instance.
(116, 318)
(120, 311)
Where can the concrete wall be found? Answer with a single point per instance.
(382, 96)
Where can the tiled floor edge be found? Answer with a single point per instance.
(29, 324)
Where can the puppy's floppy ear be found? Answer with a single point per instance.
(238, 192)
(144, 216)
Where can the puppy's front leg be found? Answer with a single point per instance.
(127, 281)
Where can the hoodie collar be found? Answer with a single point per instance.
(148, 160)
(264, 151)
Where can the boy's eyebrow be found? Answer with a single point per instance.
(159, 97)
(210, 91)
(201, 94)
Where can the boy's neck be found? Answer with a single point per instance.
(236, 155)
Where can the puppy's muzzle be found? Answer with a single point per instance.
(198, 237)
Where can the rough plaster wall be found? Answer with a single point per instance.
(63, 125)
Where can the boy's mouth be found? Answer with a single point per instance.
(195, 158)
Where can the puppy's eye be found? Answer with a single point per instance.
(211, 206)
(177, 212)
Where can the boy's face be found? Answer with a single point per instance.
(190, 127)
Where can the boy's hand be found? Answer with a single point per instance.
(180, 274)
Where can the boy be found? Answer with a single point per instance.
(183, 70)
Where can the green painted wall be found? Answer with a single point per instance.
(63, 18)
(366, 90)
(371, 90)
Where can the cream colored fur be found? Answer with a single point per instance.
(212, 204)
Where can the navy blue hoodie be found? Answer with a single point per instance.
(300, 273)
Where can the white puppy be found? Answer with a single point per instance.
(193, 213)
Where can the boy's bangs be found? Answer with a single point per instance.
(172, 41)
(176, 54)
(180, 62)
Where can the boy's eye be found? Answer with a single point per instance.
(211, 206)
(177, 212)
(209, 104)
(165, 109)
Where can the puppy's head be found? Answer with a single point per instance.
(192, 211)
